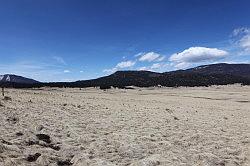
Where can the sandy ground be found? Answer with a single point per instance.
(205, 126)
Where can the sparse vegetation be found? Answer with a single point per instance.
(104, 87)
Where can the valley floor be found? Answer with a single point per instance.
(139, 127)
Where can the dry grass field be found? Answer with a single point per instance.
(201, 126)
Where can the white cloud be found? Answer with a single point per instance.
(198, 54)
(66, 71)
(81, 71)
(150, 56)
(192, 55)
(125, 64)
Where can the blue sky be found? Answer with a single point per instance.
(67, 40)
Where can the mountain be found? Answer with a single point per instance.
(242, 70)
(10, 78)
(206, 75)
(214, 74)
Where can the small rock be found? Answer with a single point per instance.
(175, 118)
(55, 147)
(32, 158)
(44, 137)
(7, 98)
(64, 163)
(19, 134)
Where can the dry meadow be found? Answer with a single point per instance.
(200, 126)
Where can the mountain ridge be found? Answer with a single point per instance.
(205, 75)
(223, 68)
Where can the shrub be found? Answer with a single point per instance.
(103, 87)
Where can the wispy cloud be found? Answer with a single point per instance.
(160, 59)
(139, 59)
(109, 71)
(36, 70)
(156, 67)
(125, 64)
(245, 43)
(59, 60)
(66, 71)
(241, 38)
(241, 30)
(120, 65)
(151, 56)
(139, 54)
(143, 68)
(192, 56)
(181, 65)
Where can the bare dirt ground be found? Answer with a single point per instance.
(204, 126)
